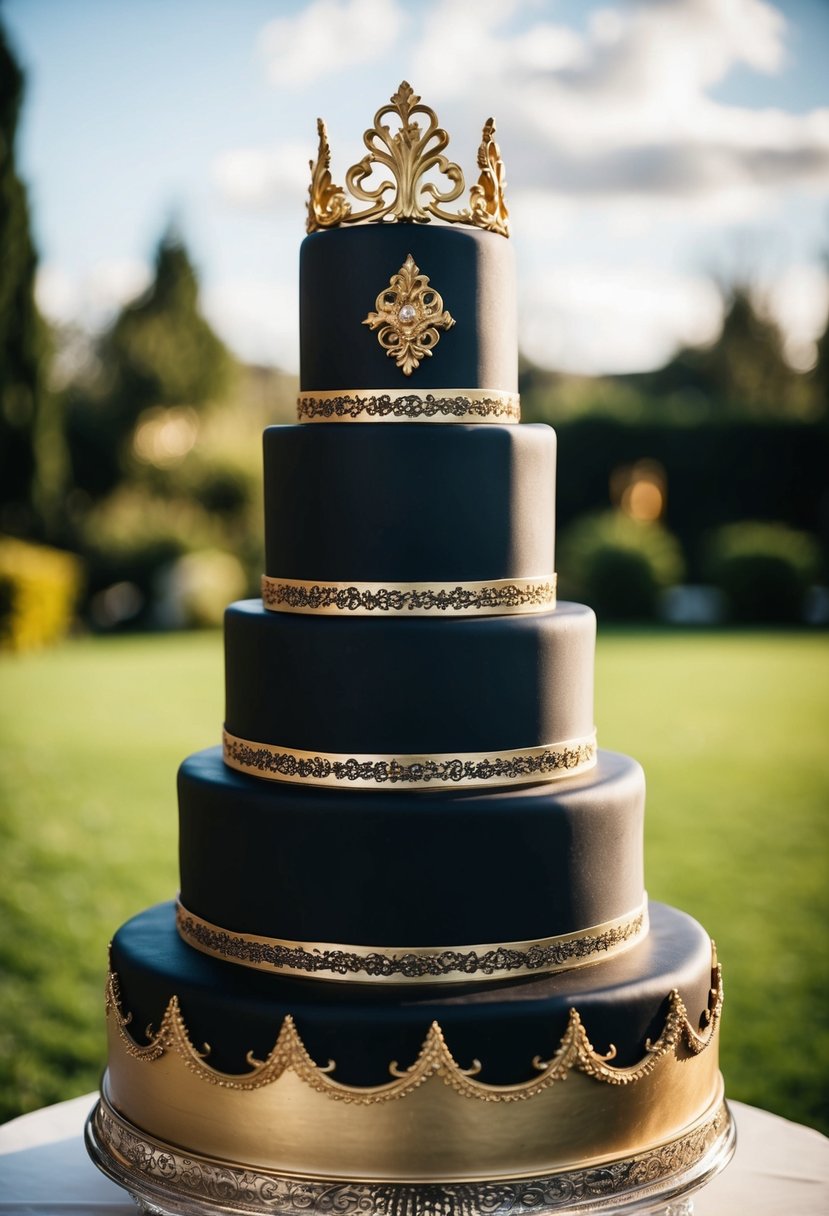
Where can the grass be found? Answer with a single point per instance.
(731, 730)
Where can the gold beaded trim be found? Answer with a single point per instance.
(521, 766)
(414, 964)
(459, 405)
(493, 597)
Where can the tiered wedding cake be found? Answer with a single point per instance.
(412, 927)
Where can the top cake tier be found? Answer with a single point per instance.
(346, 275)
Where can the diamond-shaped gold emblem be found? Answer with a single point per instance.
(408, 317)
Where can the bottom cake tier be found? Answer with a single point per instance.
(589, 1070)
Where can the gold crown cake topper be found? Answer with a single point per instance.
(410, 153)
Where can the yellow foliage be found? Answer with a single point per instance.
(39, 588)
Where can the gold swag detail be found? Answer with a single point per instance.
(364, 772)
(497, 597)
(414, 964)
(409, 154)
(575, 1053)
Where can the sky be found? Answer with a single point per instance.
(653, 149)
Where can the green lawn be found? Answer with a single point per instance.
(731, 730)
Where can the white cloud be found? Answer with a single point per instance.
(798, 299)
(600, 320)
(624, 110)
(682, 46)
(620, 114)
(263, 178)
(92, 299)
(328, 36)
(257, 318)
(112, 284)
(56, 294)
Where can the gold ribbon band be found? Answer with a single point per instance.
(496, 597)
(469, 770)
(414, 964)
(393, 405)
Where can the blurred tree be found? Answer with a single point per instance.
(744, 373)
(159, 353)
(163, 350)
(820, 372)
(32, 455)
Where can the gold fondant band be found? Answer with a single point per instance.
(414, 964)
(394, 405)
(434, 1119)
(496, 597)
(468, 770)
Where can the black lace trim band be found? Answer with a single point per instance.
(414, 964)
(496, 597)
(391, 405)
(478, 769)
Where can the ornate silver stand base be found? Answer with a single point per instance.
(165, 1181)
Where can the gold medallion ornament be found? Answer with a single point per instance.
(409, 154)
(408, 317)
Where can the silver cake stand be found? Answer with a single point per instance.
(166, 1181)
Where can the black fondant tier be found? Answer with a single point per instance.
(343, 271)
(409, 503)
(363, 1027)
(374, 686)
(400, 869)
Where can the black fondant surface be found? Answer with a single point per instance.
(382, 868)
(378, 685)
(409, 503)
(344, 270)
(363, 1026)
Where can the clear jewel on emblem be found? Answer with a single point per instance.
(407, 313)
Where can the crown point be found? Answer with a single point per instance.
(405, 99)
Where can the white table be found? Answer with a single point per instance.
(779, 1169)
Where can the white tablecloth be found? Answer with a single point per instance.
(779, 1169)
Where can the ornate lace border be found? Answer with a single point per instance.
(412, 964)
(468, 770)
(497, 597)
(139, 1161)
(391, 405)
